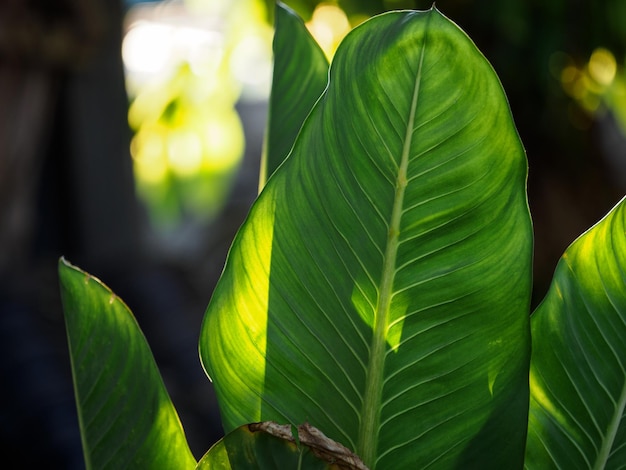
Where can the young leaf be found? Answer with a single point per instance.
(300, 75)
(380, 287)
(126, 417)
(578, 367)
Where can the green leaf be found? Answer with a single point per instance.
(300, 76)
(268, 446)
(126, 417)
(380, 287)
(578, 367)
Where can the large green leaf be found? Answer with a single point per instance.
(300, 75)
(578, 368)
(126, 417)
(380, 287)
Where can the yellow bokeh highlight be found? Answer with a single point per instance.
(188, 64)
(184, 152)
(571, 79)
(328, 25)
(148, 152)
(223, 142)
(602, 66)
(596, 86)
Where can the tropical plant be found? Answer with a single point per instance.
(374, 307)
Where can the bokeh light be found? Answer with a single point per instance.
(602, 67)
(328, 25)
(188, 63)
(597, 86)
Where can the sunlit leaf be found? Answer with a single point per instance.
(380, 286)
(126, 417)
(578, 368)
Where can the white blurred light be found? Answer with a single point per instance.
(147, 47)
(202, 49)
(251, 65)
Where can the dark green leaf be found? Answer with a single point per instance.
(126, 417)
(300, 75)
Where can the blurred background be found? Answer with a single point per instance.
(130, 141)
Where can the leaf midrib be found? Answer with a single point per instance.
(611, 433)
(367, 445)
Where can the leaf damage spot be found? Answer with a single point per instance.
(322, 447)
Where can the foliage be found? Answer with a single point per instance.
(578, 390)
(380, 286)
(126, 417)
(390, 233)
(296, 86)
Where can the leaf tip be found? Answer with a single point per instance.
(64, 262)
